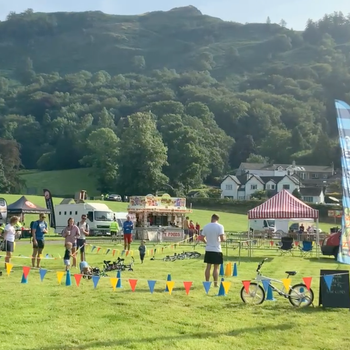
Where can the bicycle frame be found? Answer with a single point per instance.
(259, 278)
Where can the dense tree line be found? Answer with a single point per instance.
(143, 130)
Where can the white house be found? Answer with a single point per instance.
(312, 195)
(229, 187)
(243, 187)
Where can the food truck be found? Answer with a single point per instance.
(158, 218)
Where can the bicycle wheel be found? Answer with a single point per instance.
(196, 255)
(300, 296)
(167, 258)
(256, 295)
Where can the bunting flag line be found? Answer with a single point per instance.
(42, 273)
(95, 280)
(77, 278)
(170, 286)
(132, 283)
(151, 285)
(60, 275)
(26, 270)
(226, 285)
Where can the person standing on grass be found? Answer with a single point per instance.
(81, 241)
(128, 226)
(213, 234)
(142, 250)
(9, 238)
(71, 233)
(39, 228)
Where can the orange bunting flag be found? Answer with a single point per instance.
(60, 275)
(98, 249)
(127, 253)
(170, 285)
(77, 278)
(226, 285)
(114, 281)
(286, 283)
(9, 267)
(151, 251)
(172, 247)
(246, 285)
(132, 283)
(26, 270)
(187, 286)
(307, 281)
(113, 252)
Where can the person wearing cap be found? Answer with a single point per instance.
(39, 229)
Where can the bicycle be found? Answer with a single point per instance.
(298, 295)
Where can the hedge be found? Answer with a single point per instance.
(242, 207)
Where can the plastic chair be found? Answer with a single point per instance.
(286, 245)
(306, 249)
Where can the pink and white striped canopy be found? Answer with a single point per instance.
(283, 206)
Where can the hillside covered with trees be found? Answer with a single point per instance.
(167, 97)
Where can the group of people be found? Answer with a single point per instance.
(190, 229)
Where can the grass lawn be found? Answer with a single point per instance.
(232, 222)
(48, 316)
(60, 182)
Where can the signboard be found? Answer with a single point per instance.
(335, 213)
(49, 205)
(338, 295)
(166, 235)
(164, 203)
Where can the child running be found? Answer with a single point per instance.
(67, 255)
(142, 250)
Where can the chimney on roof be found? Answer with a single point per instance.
(293, 163)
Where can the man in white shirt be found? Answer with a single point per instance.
(213, 234)
(9, 238)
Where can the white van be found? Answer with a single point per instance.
(99, 216)
(263, 225)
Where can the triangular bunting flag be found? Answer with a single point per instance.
(206, 286)
(127, 253)
(266, 283)
(132, 283)
(151, 251)
(114, 281)
(170, 285)
(113, 252)
(95, 280)
(328, 279)
(26, 270)
(60, 275)
(123, 251)
(107, 251)
(286, 282)
(98, 249)
(246, 285)
(307, 281)
(131, 253)
(226, 285)
(42, 273)
(9, 267)
(151, 285)
(93, 248)
(187, 286)
(77, 278)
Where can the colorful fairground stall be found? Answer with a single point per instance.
(158, 218)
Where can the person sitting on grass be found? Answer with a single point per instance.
(142, 250)
(67, 255)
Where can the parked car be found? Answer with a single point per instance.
(114, 197)
(330, 245)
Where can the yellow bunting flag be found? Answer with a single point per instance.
(114, 281)
(286, 282)
(9, 268)
(226, 285)
(60, 275)
(131, 253)
(170, 285)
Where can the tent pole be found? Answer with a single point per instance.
(317, 240)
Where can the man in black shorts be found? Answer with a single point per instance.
(38, 231)
(213, 234)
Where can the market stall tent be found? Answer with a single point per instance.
(24, 206)
(283, 206)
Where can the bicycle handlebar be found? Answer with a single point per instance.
(261, 264)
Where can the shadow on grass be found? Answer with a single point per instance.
(179, 337)
(246, 259)
(324, 260)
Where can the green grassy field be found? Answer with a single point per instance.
(48, 316)
(231, 222)
(60, 182)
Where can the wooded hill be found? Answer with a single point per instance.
(170, 97)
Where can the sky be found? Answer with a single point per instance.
(294, 12)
